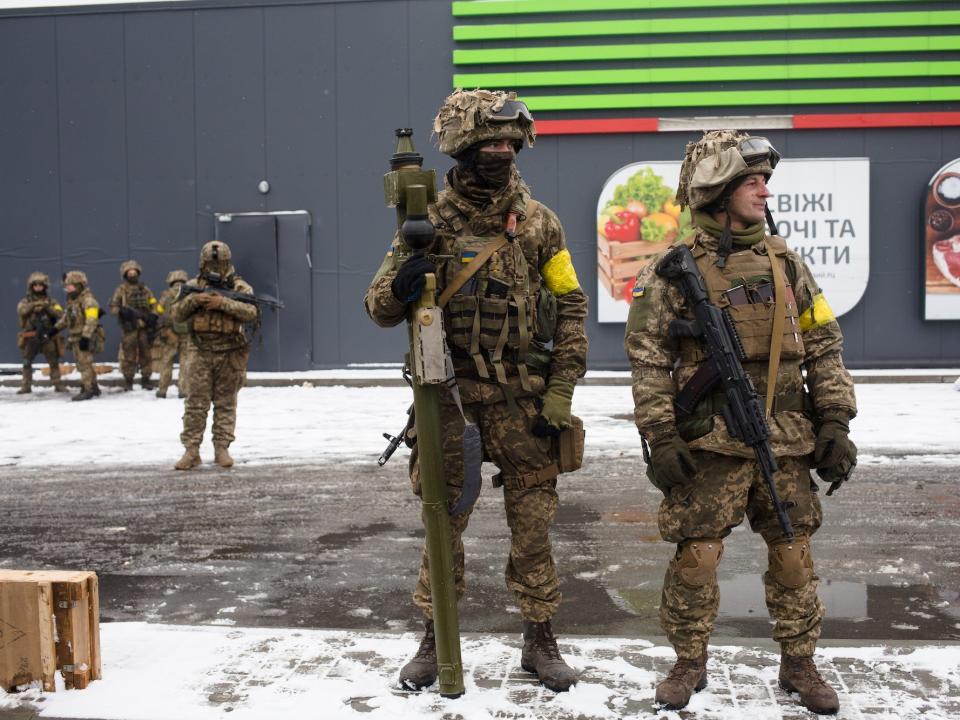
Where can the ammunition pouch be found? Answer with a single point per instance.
(180, 328)
(216, 322)
(568, 446)
(547, 316)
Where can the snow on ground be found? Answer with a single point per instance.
(305, 423)
(201, 673)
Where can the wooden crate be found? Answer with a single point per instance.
(49, 620)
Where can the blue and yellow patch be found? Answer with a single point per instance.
(468, 256)
(639, 291)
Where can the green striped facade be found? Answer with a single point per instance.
(565, 55)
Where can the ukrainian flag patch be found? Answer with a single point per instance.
(468, 256)
(639, 291)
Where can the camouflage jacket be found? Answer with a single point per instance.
(217, 330)
(81, 316)
(541, 254)
(136, 296)
(662, 365)
(165, 304)
(32, 305)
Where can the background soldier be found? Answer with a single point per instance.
(38, 314)
(708, 478)
(172, 337)
(218, 356)
(85, 333)
(135, 305)
(517, 396)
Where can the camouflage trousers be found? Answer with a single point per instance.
(51, 349)
(530, 499)
(710, 507)
(165, 348)
(135, 351)
(214, 377)
(84, 358)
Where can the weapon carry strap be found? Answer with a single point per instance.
(779, 318)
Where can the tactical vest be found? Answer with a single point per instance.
(215, 323)
(492, 317)
(135, 296)
(744, 289)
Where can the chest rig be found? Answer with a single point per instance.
(135, 296)
(490, 318)
(746, 289)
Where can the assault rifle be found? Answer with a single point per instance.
(42, 329)
(258, 300)
(130, 315)
(743, 412)
(405, 436)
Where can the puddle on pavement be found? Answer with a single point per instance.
(854, 610)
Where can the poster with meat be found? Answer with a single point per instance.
(941, 221)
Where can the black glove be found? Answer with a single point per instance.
(542, 428)
(84, 344)
(127, 314)
(408, 284)
(671, 463)
(834, 455)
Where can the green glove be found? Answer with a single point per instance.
(671, 463)
(834, 447)
(555, 413)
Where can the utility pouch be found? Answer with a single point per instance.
(568, 446)
(181, 328)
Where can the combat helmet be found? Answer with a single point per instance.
(130, 265)
(38, 278)
(468, 117)
(75, 277)
(177, 276)
(215, 260)
(717, 159)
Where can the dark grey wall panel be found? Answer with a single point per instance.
(29, 163)
(161, 158)
(93, 158)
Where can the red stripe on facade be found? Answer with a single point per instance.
(594, 127)
(873, 120)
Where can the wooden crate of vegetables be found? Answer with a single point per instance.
(640, 221)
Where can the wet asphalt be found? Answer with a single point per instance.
(337, 546)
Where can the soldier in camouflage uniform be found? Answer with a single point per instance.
(38, 314)
(517, 392)
(218, 354)
(172, 337)
(136, 308)
(85, 334)
(709, 479)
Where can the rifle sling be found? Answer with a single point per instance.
(779, 318)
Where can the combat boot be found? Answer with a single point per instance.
(685, 678)
(190, 459)
(127, 383)
(55, 378)
(161, 393)
(221, 456)
(84, 394)
(96, 388)
(146, 383)
(421, 671)
(542, 657)
(800, 675)
(26, 381)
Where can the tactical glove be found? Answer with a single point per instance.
(834, 449)
(671, 463)
(555, 413)
(408, 284)
(127, 314)
(84, 344)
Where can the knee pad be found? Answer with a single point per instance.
(791, 564)
(697, 561)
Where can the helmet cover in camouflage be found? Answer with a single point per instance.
(468, 117)
(175, 276)
(130, 265)
(38, 278)
(716, 160)
(215, 258)
(75, 277)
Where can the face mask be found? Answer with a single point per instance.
(494, 168)
(132, 279)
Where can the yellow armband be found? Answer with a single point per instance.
(558, 274)
(91, 313)
(816, 315)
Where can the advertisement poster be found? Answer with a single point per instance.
(941, 248)
(822, 209)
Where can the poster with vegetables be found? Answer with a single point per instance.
(637, 218)
(942, 244)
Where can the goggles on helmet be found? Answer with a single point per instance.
(755, 150)
(512, 110)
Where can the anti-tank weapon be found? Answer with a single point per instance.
(743, 412)
(409, 188)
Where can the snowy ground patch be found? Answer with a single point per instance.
(201, 673)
